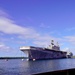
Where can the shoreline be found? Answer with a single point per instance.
(13, 57)
(20, 57)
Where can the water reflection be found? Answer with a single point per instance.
(47, 65)
(19, 67)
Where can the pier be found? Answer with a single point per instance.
(59, 72)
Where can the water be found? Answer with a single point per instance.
(19, 67)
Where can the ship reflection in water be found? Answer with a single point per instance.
(51, 52)
(19, 67)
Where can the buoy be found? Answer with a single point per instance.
(27, 59)
(33, 59)
(22, 59)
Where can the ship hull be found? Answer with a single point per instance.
(45, 54)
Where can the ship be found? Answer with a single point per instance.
(51, 52)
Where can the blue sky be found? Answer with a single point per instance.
(35, 23)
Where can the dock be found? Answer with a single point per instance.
(59, 72)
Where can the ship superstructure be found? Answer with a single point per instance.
(51, 52)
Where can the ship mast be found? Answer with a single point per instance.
(52, 42)
(57, 44)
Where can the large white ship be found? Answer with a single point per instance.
(52, 52)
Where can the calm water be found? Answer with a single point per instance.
(19, 67)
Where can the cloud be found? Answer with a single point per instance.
(70, 29)
(44, 26)
(8, 26)
(3, 47)
(3, 13)
(2, 39)
(70, 38)
(1, 34)
(45, 40)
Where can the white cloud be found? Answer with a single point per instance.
(3, 13)
(70, 29)
(66, 49)
(44, 26)
(1, 34)
(4, 48)
(45, 40)
(8, 26)
(2, 39)
(70, 38)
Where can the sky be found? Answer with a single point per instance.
(36, 23)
